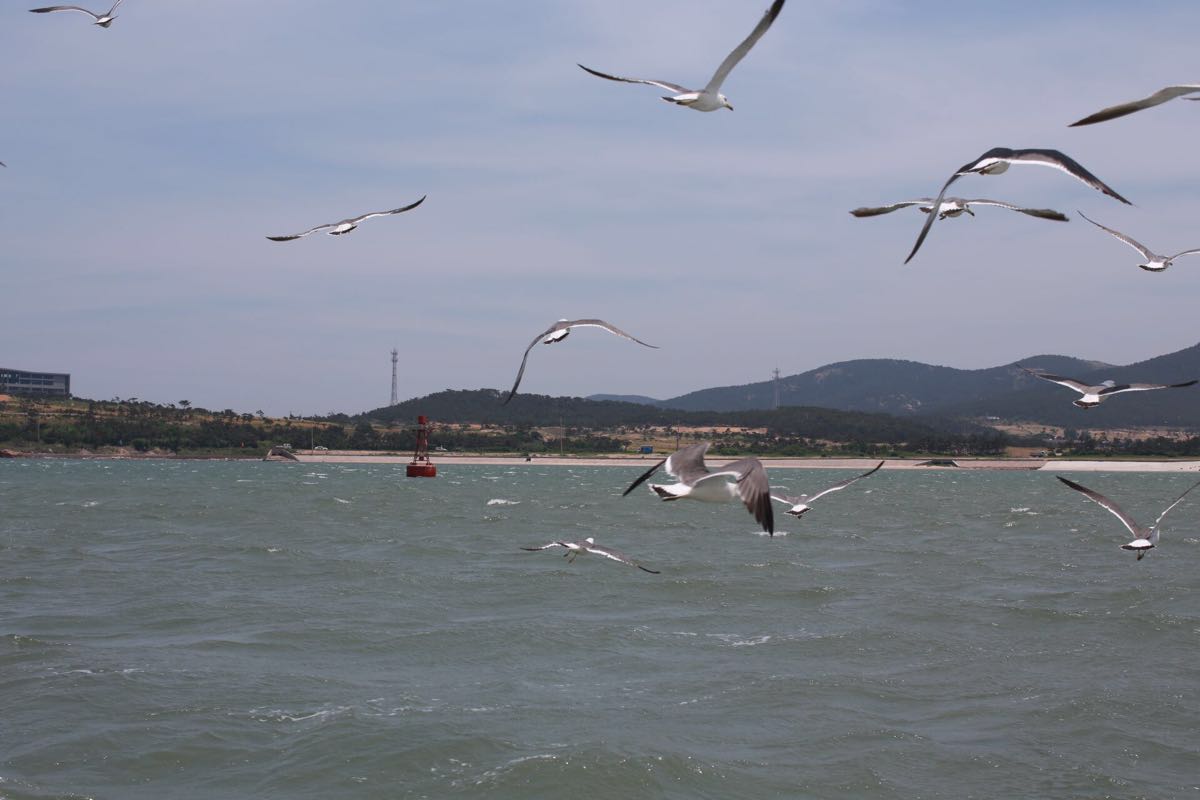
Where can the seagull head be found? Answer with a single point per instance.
(725, 101)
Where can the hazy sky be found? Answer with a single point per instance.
(147, 162)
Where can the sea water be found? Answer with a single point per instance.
(192, 629)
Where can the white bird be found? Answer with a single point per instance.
(801, 504)
(709, 98)
(1144, 539)
(1094, 395)
(346, 225)
(1154, 261)
(998, 160)
(957, 206)
(745, 479)
(588, 545)
(1159, 97)
(103, 20)
(561, 330)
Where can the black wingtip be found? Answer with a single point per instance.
(643, 478)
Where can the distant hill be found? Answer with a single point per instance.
(1036, 400)
(483, 406)
(910, 388)
(640, 399)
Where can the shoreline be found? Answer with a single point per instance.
(846, 463)
(993, 464)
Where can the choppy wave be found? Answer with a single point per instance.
(223, 630)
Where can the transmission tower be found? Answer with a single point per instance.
(776, 376)
(395, 359)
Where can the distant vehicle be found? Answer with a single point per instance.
(440, 449)
(320, 447)
(284, 446)
(646, 449)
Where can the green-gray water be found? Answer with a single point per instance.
(209, 630)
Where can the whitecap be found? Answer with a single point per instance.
(340, 500)
(500, 501)
(734, 640)
(1019, 510)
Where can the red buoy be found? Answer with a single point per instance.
(420, 467)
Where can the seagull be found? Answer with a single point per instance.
(801, 504)
(999, 159)
(1159, 97)
(1144, 539)
(1154, 261)
(709, 98)
(346, 225)
(745, 479)
(1095, 395)
(589, 545)
(957, 206)
(103, 20)
(561, 330)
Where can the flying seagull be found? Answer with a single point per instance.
(957, 206)
(588, 545)
(801, 504)
(346, 225)
(103, 20)
(745, 479)
(709, 98)
(1159, 97)
(561, 330)
(1095, 395)
(1144, 539)
(998, 160)
(1154, 261)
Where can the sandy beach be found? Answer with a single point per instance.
(1030, 464)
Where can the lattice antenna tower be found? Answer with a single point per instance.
(395, 360)
(775, 374)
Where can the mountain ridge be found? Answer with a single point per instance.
(912, 388)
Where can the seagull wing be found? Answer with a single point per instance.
(114, 8)
(48, 9)
(1043, 213)
(616, 555)
(1096, 497)
(546, 546)
(299, 235)
(753, 488)
(929, 218)
(1063, 162)
(875, 211)
(1136, 245)
(1184, 253)
(1070, 383)
(670, 87)
(843, 484)
(599, 323)
(1168, 508)
(1161, 96)
(739, 52)
(357, 220)
(525, 358)
(643, 477)
(687, 464)
(1142, 387)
